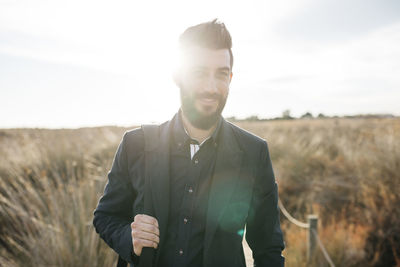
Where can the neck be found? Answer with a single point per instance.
(197, 134)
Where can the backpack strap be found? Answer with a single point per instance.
(151, 136)
(151, 140)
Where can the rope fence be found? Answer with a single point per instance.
(313, 237)
(290, 218)
(328, 259)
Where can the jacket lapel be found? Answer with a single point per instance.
(226, 173)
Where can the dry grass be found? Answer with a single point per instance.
(50, 184)
(344, 242)
(345, 170)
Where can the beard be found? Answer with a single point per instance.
(196, 117)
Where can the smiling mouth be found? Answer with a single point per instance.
(208, 100)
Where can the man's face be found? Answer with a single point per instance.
(204, 80)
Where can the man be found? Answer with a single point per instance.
(207, 178)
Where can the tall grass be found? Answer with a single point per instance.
(345, 170)
(348, 172)
(49, 189)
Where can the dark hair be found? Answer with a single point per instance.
(211, 34)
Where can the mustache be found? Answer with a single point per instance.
(208, 95)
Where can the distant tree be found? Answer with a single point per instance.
(252, 118)
(307, 115)
(286, 115)
(321, 116)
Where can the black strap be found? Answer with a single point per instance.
(121, 262)
(151, 138)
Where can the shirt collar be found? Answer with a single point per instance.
(181, 136)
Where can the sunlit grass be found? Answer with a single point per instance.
(344, 170)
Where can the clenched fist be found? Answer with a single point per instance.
(145, 233)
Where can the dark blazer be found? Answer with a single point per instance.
(243, 192)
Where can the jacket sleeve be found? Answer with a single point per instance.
(113, 215)
(263, 232)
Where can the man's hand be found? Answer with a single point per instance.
(145, 233)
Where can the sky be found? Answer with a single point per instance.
(90, 63)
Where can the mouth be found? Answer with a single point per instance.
(208, 100)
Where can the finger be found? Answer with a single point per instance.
(141, 243)
(145, 236)
(137, 250)
(146, 219)
(147, 228)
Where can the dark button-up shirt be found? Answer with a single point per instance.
(189, 189)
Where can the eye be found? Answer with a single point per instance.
(222, 75)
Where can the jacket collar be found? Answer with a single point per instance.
(180, 136)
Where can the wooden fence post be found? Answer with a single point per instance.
(312, 241)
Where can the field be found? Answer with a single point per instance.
(347, 171)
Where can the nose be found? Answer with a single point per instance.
(211, 86)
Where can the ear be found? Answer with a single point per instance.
(230, 77)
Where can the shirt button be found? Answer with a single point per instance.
(185, 220)
(181, 252)
(190, 190)
(196, 161)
